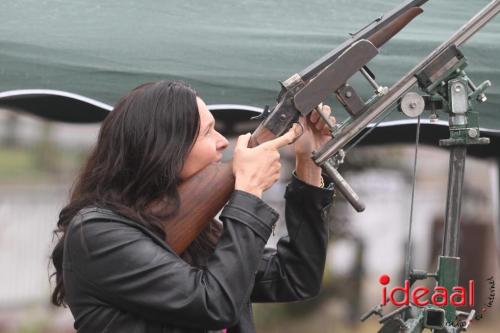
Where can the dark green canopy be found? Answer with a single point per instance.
(230, 51)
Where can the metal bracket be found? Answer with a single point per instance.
(440, 68)
(464, 127)
(353, 104)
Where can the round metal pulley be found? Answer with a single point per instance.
(412, 104)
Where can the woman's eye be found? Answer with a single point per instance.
(210, 130)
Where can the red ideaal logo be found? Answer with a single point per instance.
(458, 297)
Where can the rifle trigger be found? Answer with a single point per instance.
(263, 115)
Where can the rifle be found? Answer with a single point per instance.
(204, 194)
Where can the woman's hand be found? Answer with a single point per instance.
(256, 169)
(316, 133)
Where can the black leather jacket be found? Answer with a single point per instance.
(120, 277)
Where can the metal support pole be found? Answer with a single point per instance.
(454, 201)
(449, 262)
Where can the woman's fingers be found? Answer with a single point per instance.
(314, 116)
(326, 131)
(243, 140)
(287, 138)
(318, 122)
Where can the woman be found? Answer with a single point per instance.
(113, 268)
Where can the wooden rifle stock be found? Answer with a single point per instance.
(202, 197)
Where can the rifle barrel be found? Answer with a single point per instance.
(365, 33)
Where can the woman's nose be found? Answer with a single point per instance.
(222, 142)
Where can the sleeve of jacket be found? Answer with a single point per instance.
(294, 270)
(123, 266)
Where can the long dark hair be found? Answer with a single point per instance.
(140, 151)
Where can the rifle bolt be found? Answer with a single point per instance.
(482, 98)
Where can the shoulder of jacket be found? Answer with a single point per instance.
(88, 214)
